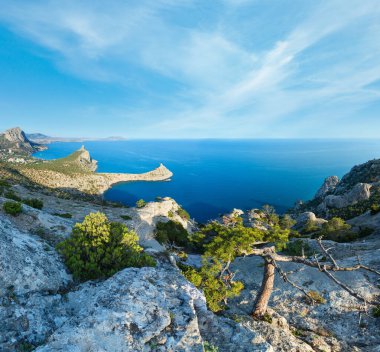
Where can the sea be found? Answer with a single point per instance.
(211, 177)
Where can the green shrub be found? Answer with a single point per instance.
(298, 248)
(376, 311)
(64, 215)
(310, 227)
(208, 347)
(364, 232)
(12, 208)
(375, 208)
(12, 195)
(171, 232)
(98, 248)
(337, 230)
(141, 203)
(34, 203)
(126, 217)
(183, 214)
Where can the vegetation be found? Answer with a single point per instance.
(316, 297)
(12, 208)
(375, 208)
(12, 195)
(98, 248)
(171, 232)
(141, 203)
(221, 244)
(336, 229)
(183, 214)
(310, 227)
(126, 217)
(64, 215)
(34, 203)
(298, 248)
(208, 347)
(376, 311)
(68, 165)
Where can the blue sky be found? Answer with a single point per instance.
(191, 69)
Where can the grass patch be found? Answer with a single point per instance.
(63, 215)
(126, 217)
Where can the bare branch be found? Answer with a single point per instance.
(324, 250)
(286, 279)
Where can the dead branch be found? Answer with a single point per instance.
(326, 251)
(285, 277)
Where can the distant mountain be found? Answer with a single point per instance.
(15, 141)
(44, 139)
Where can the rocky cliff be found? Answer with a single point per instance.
(15, 141)
(349, 197)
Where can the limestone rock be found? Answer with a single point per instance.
(307, 216)
(361, 191)
(329, 185)
(27, 264)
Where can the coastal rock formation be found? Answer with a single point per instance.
(76, 173)
(86, 161)
(354, 194)
(15, 141)
(328, 186)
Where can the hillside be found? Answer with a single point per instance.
(15, 142)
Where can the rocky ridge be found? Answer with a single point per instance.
(15, 141)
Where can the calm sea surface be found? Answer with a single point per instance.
(214, 176)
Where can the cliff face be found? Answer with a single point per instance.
(16, 140)
(349, 197)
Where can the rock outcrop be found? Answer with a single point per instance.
(328, 186)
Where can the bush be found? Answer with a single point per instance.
(12, 208)
(376, 311)
(98, 248)
(126, 217)
(298, 248)
(141, 203)
(337, 230)
(34, 203)
(171, 231)
(183, 214)
(12, 195)
(64, 215)
(375, 208)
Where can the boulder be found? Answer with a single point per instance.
(361, 191)
(28, 264)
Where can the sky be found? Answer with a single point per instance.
(191, 69)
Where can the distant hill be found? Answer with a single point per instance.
(15, 141)
(44, 139)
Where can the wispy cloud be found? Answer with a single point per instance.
(223, 85)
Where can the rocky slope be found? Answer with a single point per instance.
(147, 309)
(15, 141)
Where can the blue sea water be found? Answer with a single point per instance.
(213, 176)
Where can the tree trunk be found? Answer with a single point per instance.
(266, 289)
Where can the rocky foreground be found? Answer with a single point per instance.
(156, 309)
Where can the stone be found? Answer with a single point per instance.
(328, 186)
